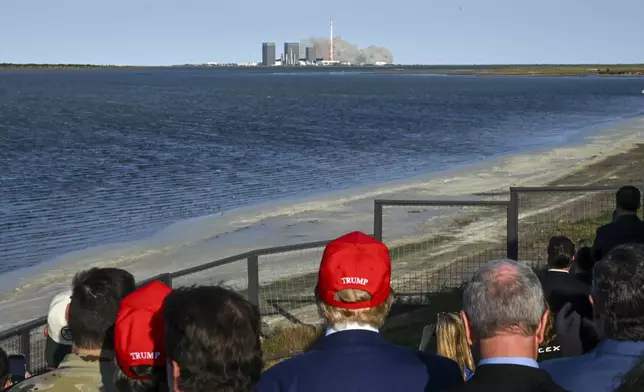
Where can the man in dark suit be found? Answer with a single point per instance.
(559, 286)
(618, 298)
(354, 297)
(626, 228)
(505, 316)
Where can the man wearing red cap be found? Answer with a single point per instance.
(139, 340)
(354, 298)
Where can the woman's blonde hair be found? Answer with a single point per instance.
(550, 332)
(374, 317)
(451, 341)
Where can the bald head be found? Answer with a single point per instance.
(504, 296)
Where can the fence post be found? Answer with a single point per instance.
(25, 342)
(253, 278)
(377, 220)
(513, 226)
(165, 279)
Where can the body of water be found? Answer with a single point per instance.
(89, 158)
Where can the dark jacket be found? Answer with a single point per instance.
(361, 361)
(561, 287)
(599, 370)
(509, 378)
(624, 230)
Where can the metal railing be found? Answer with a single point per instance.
(521, 219)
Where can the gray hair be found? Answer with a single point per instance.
(504, 295)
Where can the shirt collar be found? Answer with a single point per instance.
(349, 327)
(530, 362)
(557, 270)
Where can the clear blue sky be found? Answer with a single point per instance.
(159, 32)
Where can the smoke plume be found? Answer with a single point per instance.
(347, 52)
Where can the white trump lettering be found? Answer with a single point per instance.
(145, 355)
(352, 280)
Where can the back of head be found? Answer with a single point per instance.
(618, 292)
(584, 259)
(139, 340)
(212, 334)
(4, 369)
(628, 199)
(504, 297)
(451, 341)
(96, 295)
(561, 252)
(354, 281)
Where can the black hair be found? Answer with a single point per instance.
(96, 296)
(157, 380)
(4, 368)
(618, 292)
(561, 251)
(213, 335)
(628, 198)
(584, 259)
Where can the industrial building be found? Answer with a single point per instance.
(291, 53)
(310, 55)
(268, 54)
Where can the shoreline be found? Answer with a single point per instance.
(553, 70)
(355, 210)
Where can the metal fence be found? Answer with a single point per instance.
(434, 245)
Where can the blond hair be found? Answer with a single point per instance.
(374, 317)
(549, 333)
(452, 342)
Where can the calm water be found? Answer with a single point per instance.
(93, 157)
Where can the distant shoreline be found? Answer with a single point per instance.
(475, 70)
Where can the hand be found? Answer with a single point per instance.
(27, 375)
(568, 327)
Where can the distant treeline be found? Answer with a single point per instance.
(62, 66)
(611, 71)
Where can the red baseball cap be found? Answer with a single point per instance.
(355, 261)
(139, 332)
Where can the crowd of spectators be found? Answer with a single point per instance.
(577, 327)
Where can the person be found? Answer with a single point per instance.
(633, 381)
(5, 375)
(505, 317)
(584, 264)
(560, 287)
(212, 340)
(96, 294)
(57, 332)
(354, 296)
(550, 347)
(139, 340)
(618, 299)
(626, 228)
(451, 342)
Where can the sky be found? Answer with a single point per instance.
(167, 32)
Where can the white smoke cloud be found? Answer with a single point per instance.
(346, 51)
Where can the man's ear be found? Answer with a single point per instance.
(592, 302)
(67, 313)
(468, 328)
(176, 372)
(541, 330)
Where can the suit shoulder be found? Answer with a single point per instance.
(55, 382)
(563, 363)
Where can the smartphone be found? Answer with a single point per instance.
(17, 368)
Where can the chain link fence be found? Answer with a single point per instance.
(435, 247)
